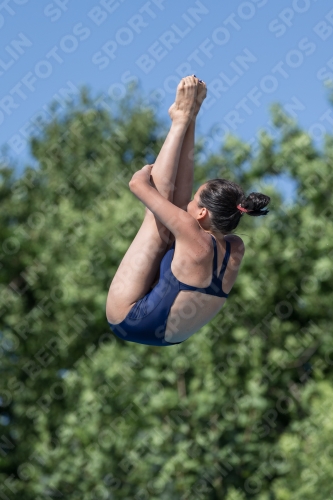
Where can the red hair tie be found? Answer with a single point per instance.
(243, 209)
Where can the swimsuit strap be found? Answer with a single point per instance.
(225, 260)
(215, 258)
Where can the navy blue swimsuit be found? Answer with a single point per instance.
(147, 320)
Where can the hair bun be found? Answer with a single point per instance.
(255, 202)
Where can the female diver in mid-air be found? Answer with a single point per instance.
(179, 239)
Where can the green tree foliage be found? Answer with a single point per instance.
(307, 449)
(239, 410)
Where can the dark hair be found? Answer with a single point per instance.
(221, 198)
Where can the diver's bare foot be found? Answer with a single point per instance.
(182, 109)
(201, 96)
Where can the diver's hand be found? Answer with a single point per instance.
(142, 176)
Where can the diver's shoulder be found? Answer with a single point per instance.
(237, 249)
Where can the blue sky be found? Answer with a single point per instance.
(249, 53)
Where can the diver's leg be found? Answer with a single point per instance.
(140, 264)
(184, 179)
(164, 171)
